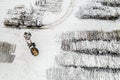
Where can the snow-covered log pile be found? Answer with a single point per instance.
(83, 73)
(88, 55)
(49, 5)
(5, 52)
(100, 9)
(112, 3)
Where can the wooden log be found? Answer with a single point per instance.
(77, 60)
(81, 74)
(111, 46)
(91, 35)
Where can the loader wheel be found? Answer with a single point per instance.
(34, 51)
(33, 44)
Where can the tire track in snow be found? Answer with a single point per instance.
(63, 18)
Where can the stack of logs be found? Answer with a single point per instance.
(100, 9)
(5, 52)
(88, 55)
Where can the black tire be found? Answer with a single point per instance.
(30, 34)
(25, 33)
(30, 26)
(33, 44)
(34, 51)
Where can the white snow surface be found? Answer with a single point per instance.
(28, 67)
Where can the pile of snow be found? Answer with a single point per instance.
(100, 9)
(87, 56)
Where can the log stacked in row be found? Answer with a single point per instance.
(5, 52)
(100, 9)
(87, 56)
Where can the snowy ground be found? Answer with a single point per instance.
(28, 67)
